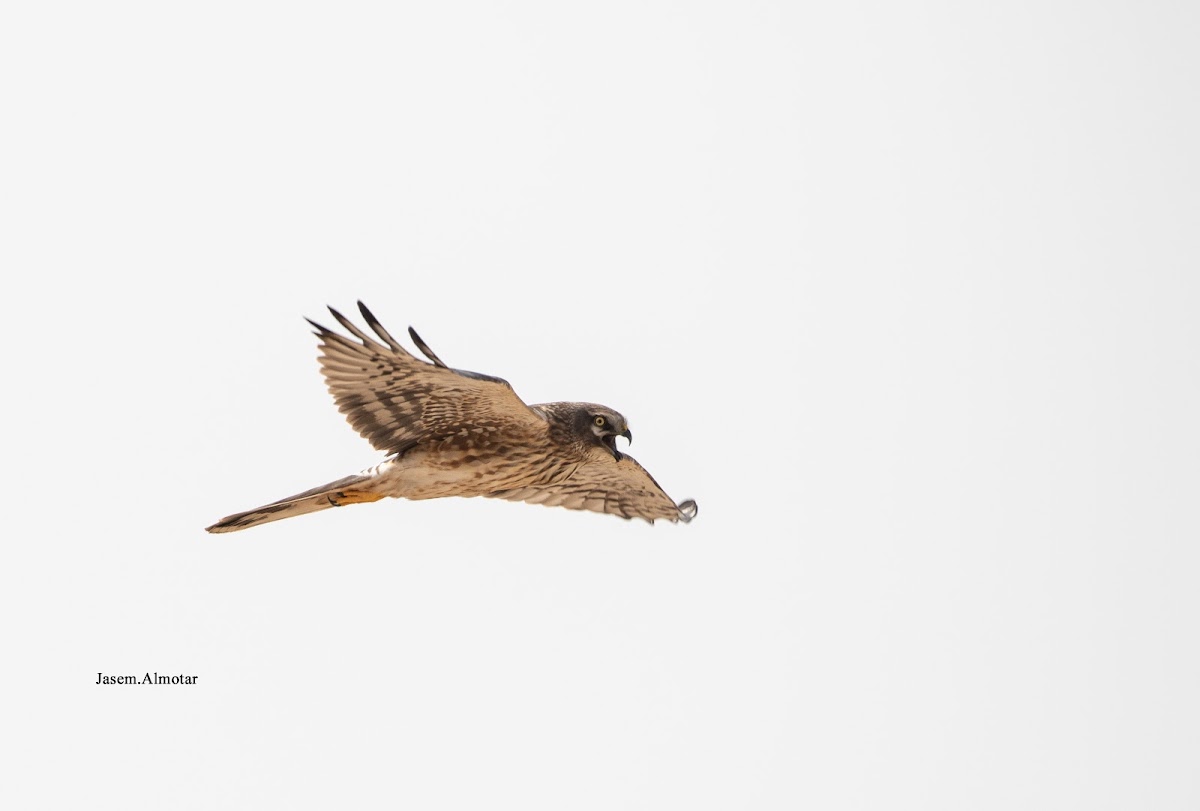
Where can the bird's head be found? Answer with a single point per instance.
(601, 425)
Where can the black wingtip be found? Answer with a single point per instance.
(348, 325)
(425, 350)
(341, 319)
(379, 329)
(372, 321)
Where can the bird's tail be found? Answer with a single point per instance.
(334, 494)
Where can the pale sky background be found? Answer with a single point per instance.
(904, 294)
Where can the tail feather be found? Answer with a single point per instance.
(334, 494)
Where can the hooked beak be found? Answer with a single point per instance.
(628, 435)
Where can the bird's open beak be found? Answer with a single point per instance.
(628, 435)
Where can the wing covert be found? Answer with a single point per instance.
(603, 484)
(395, 400)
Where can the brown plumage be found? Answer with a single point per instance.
(453, 433)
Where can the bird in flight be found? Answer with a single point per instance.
(449, 432)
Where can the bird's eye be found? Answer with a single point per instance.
(600, 422)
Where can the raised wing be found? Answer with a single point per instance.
(604, 485)
(395, 400)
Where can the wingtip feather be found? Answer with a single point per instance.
(349, 326)
(425, 350)
(374, 324)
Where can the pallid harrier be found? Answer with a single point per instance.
(455, 433)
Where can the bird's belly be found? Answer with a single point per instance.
(422, 474)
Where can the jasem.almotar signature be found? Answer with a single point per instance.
(148, 678)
